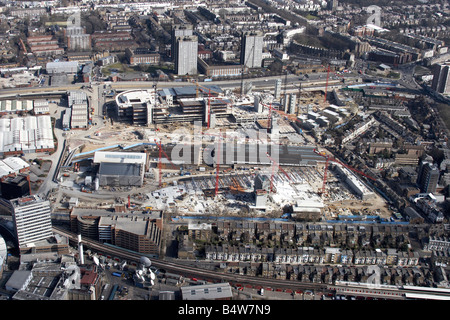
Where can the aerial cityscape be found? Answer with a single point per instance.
(231, 150)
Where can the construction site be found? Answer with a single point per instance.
(203, 150)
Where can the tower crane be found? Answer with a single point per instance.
(290, 117)
(329, 158)
(274, 163)
(328, 76)
(218, 153)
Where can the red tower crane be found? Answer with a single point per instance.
(209, 107)
(208, 111)
(218, 159)
(217, 167)
(330, 158)
(160, 161)
(285, 173)
(328, 77)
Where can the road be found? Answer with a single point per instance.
(55, 157)
(262, 82)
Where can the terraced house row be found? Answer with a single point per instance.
(305, 234)
(309, 255)
(330, 274)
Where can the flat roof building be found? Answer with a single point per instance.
(62, 67)
(15, 187)
(26, 134)
(441, 78)
(251, 49)
(186, 51)
(120, 168)
(31, 218)
(138, 232)
(216, 291)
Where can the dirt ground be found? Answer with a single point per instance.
(376, 206)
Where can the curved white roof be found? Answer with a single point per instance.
(129, 97)
(119, 157)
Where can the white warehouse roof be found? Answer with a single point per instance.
(12, 165)
(16, 163)
(119, 157)
(26, 134)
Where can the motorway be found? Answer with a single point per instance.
(316, 80)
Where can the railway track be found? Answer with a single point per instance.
(193, 272)
(340, 288)
(400, 292)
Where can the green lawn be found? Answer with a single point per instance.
(121, 68)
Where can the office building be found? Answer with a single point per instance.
(428, 177)
(441, 78)
(277, 92)
(251, 49)
(136, 106)
(180, 30)
(32, 220)
(15, 187)
(142, 56)
(77, 39)
(141, 233)
(186, 49)
(120, 168)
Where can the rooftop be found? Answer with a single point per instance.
(208, 291)
(119, 157)
(122, 169)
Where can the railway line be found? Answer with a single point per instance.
(340, 288)
(193, 272)
(401, 292)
